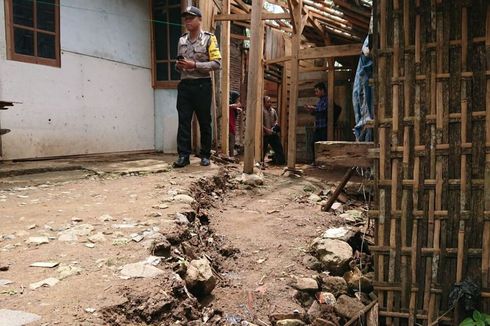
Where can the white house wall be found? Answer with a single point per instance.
(100, 100)
(167, 120)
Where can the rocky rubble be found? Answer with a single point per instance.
(341, 256)
(187, 272)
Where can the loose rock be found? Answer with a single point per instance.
(67, 271)
(334, 255)
(37, 240)
(181, 219)
(348, 307)
(199, 278)
(184, 199)
(98, 237)
(312, 263)
(334, 284)
(327, 298)
(251, 179)
(314, 198)
(355, 279)
(290, 322)
(305, 284)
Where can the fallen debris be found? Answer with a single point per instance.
(140, 270)
(5, 282)
(51, 264)
(37, 240)
(47, 282)
(67, 271)
(17, 317)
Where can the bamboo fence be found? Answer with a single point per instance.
(432, 94)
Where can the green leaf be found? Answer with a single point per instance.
(480, 323)
(477, 316)
(487, 318)
(467, 322)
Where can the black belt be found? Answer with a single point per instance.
(196, 81)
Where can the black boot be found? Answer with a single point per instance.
(181, 162)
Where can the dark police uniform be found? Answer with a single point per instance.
(195, 90)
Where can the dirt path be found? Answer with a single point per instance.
(271, 226)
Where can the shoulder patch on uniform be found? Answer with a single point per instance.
(213, 49)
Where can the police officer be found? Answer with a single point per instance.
(198, 55)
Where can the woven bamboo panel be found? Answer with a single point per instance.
(432, 85)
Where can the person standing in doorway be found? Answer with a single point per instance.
(198, 54)
(320, 113)
(271, 132)
(235, 109)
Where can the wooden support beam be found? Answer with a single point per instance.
(331, 98)
(293, 95)
(239, 37)
(278, 60)
(338, 190)
(293, 19)
(330, 51)
(246, 17)
(225, 80)
(253, 102)
(343, 154)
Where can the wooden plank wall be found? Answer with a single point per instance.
(432, 84)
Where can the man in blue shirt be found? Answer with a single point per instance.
(320, 113)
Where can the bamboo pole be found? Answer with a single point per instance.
(293, 95)
(225, 79)
(486, 227)
(439, 164)
(464, 119)
(395, 162)
(406, 153)
(382, 89)
(254, 103)
(412, 308)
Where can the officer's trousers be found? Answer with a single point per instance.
(194, 95)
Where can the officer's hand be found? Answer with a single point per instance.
(186, 64)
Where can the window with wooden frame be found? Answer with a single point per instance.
(33, 31)
(166, 31)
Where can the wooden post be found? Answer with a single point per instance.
(225, 79)
(253, 102)
(331, 99)
(293, 96)
(284, 110)
(259, 84)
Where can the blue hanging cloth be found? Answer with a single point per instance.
(362, 99)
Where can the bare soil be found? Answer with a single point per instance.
(255, 238)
